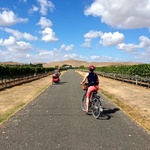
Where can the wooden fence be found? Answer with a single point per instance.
(7, 82)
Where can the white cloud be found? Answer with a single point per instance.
(8, 18)
(106, 39)
(87, 43)
(119, 13)
(15, 46)
(10, 41)
(4, 55)
(54, 55)
(18, 35)
(20, 46)
(29, 37)
(103, 58)
(33, 9)
(58, 54)
(74, 56)
(46, 53)
(143, 56)
(67, 47)
(45, 4)
(92, 34)
(71, 56)
(144, 44)
(89, 36)
(1, 41)
(44, 22)
(48, 35)
(127, 47)
(141, 50)
(110, 39)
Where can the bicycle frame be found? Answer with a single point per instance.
(93, 95)
(94, 104)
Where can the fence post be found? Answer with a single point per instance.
(136, 77)
(5, 82)
(114, 76)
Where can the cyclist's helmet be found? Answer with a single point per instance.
(91, 68)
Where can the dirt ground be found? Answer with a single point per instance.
(133, 100)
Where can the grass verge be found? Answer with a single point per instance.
(10, 112)
(129, 110)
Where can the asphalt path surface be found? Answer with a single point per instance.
(55, 121)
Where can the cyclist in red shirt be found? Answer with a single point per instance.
(93, 82)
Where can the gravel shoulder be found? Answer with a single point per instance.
(132, 99)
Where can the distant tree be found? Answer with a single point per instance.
(81, 66)
(64, 65)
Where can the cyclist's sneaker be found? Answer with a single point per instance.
(101, 109)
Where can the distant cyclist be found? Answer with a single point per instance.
(56, 75)
(57, 72)
(93, 82)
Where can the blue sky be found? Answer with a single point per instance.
(90, 30)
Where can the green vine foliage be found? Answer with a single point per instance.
(142, 70)
(11, 70)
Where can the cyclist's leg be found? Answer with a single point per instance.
(89, 91)
(83, 103)
(88, 94)
(87, 104)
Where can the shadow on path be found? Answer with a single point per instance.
(107, 113)
(60, 83)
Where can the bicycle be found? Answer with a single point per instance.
(94, 105)
(55, 80)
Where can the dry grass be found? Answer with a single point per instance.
(13, 99)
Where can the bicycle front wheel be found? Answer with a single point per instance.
(96, 108)
(83, 102)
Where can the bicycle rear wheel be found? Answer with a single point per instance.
(96, 108)
(83, 102)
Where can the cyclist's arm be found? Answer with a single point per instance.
(85, 77)
(97, 80)
(59, 73)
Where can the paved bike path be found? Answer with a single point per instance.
(54, 121)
